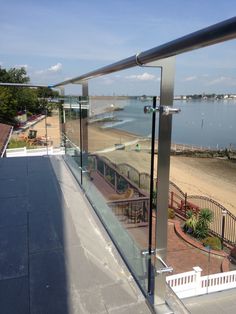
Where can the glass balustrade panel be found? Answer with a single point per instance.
(71, 134)
(116, 173)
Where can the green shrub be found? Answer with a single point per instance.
(171, 213)
(213, 242)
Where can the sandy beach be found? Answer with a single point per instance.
(212, 177)
(215, 178)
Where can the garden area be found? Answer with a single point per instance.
(19, 143)
(197, 226)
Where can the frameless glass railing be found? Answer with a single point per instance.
(115, 170)
(72, 134)
(200, 197)
(108, 148)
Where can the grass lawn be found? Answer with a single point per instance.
(18, 144)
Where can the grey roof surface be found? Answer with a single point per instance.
(55, 256)
(223, 302)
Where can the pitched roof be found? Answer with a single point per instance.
(5, 133)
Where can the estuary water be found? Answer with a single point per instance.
(208, 123)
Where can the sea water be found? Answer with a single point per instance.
(208, 123)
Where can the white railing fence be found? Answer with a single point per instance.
(24, 152)
(192, 283)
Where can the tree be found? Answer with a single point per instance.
(8, 106)
(14, 99)
(45, 92)
(14, 75)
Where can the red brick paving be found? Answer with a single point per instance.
(180, 255)
(183, 257)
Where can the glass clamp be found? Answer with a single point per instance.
(165, 269)
(146, 252)
(165, 110)
(84, 170)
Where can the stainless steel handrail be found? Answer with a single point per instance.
(213, 34)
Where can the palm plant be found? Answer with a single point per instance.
(205, 217)
(191, 222)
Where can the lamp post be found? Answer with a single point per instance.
(224, 213)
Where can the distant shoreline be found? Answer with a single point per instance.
(203, 97)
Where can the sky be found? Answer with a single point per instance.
(58, 40)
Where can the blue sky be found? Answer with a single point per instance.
(57, 40)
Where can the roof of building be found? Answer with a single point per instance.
(56, 257)
(5, 133)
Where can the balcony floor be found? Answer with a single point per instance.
(55, 256)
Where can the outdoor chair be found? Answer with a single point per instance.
(32, 137)
(135, 215)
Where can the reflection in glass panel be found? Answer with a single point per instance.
(72, 134)
(117, 176)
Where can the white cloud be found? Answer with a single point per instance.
(21, 66)
(52, 69)
(218, 80)
(222, 81)
(141, 77)
(55, 68)
(190, 78)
